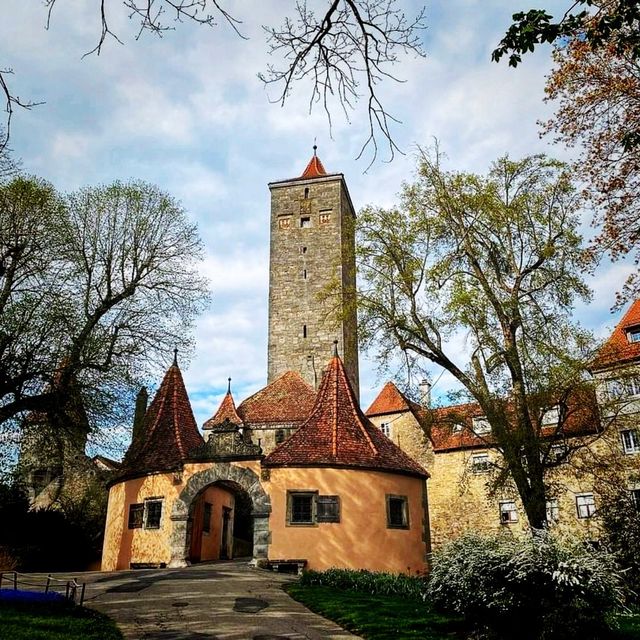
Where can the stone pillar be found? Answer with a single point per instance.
(180, 541)
(260, 537)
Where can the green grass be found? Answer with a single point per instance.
(378, 617)
(54, 621)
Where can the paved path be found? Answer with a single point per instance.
(209, 601)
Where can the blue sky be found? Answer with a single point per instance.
(188, 113)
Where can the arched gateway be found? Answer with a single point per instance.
(219, 472)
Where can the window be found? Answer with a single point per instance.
(457, 427)
(152, 513)
(325, 217)
(633, 334)
(305, 222)
(136, 513)
(551, 417)
(553, 513)
(306, 192)
(206, 518)
(397, 512)
(304, 330)
(300, 507)
(328, 509)
(303, 250)
(622, 387)
(284, 223)
(558, 452)
(585, 505)
(508, 512)
(385, 427)
(480, 462)
(481, 425)
(280, 436)
(630, 440)
(304, 274)
(635, 498)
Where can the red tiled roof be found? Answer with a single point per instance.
(582, 418)
(169, 432)
(617, 349)
(314, 169)
(337, 434)
(392, 400)
(226, 411)
(288, 398)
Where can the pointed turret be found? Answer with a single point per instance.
(226, 412)
(169, 428)
(337, 434)
(314, 169)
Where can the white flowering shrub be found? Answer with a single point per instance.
(535, 587)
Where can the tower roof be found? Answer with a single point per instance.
(391, 400)
(226, 411)
(289, 398)
(618, 349)
(169, 432)
(337, 434)
(314, 169)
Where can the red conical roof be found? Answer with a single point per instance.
(226, 411)
(169, 432)
(337, 434)
(314, 168)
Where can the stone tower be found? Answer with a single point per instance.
(312, 275)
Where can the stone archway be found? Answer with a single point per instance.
(180, 514)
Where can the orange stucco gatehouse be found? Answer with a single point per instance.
(335, 493)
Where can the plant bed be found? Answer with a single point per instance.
(28, 615)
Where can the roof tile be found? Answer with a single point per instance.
(617, 349)
(314, 169)
(337, 434)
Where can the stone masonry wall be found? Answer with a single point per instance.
(312, 253)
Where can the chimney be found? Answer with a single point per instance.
(138, 417)
(425, 392)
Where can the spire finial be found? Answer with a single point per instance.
(335, 348)
(175, 357)
(315, 146)
(228, 385)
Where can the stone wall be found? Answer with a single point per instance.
(311, 278)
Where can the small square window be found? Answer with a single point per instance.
(480, 463)
(280, 436)
(301, 507)
(508, 512)
(136, 514)
(553, 512)
(558, 453)
(397, 512)
(152, 513)
(385, 427)
(585, 505)
(633, 334)
(305, 222)
(551, 417)
(630, 440)
(481, 426)
(328, 509)
(206, 517)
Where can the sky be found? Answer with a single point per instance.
(187, 112)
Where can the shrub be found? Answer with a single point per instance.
(372, 582)
(534, 587)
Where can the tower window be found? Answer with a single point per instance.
(304, 330)
(304, 274)
(279, 436)
(305, 222)
(306, 192)
(303, 250)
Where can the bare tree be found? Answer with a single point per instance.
(351, 44)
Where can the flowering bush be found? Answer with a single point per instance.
(535, 587)
(373, 582)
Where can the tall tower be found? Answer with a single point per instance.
(312, 275)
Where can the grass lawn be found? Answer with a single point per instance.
(384, 617)
(378, 617)
(54, 621)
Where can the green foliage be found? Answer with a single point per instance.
(533, 587)
(372, 582)
(54, 621)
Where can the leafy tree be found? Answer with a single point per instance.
(597, 22)
(498, 261)
(95, 289)
(349, 45)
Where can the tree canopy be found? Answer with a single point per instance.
(493, 263)
(96, 289)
